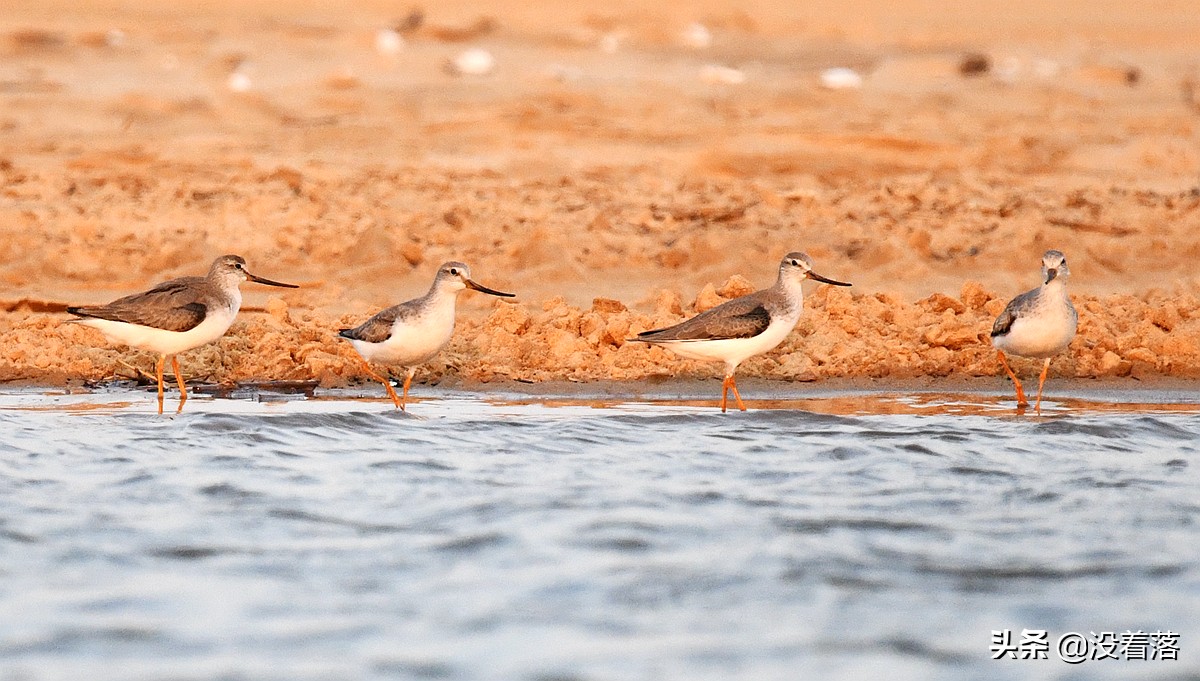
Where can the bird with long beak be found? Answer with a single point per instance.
(743, 327)
(411, 333)
(1038, 323)
(176, 315)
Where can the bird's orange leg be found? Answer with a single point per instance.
(179, 380)
(1041, 383)
(162, 359)
(407, 382)
(736, 396)
(724, 394)
(387, 385)
(1021, 401)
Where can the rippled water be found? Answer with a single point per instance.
(337, 539)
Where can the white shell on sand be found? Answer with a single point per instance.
(473, 62)
(724, 75)
(696, 35)
(841, 78)
(239, 81)
(388, 42)
(611, 42)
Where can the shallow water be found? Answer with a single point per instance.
(852, 537)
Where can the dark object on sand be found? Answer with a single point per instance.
(410, 23)
(258, 391)
(974, 64)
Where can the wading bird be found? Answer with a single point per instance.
(1038, 323)
(411, 333)
(743, 327)
(176, 315)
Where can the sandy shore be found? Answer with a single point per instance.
(610, 173)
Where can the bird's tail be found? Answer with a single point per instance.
(646, 336)
(82, 312)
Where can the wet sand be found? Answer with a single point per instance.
(604, 174)
(839, 397)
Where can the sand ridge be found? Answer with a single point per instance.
(842, 334)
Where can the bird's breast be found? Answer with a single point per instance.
(1045, 333)
(416, 338)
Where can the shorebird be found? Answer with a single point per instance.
(743, 327)
(1038, 323)
(411, 333)
(176, 315)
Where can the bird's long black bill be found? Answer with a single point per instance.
(491, 292)
(268, 282)
(827, 280)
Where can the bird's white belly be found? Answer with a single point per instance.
(732, 351)
(410, 344)
(161, 341)
(1041, 337)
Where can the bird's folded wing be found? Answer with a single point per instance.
(376, 329)
(1015, 308)
(737, 318)
(176, 305)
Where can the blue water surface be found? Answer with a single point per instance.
(339, 539)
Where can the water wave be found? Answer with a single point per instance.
(480, 540)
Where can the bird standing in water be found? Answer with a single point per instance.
(411, 333)
(743, 327)
(176, 315)
(1038, 323)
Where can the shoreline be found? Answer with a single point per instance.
(604, 399)
(660, 388)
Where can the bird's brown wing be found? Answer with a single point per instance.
(377, 328)
(1015, 309)
(739, 318)
(175, 305)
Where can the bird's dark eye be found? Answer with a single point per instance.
(454, 271)
(795, 263)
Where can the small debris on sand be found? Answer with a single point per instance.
(841, 78)
(974, 64)
(473, 62)
(721, 75)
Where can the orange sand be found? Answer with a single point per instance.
(600, 163)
